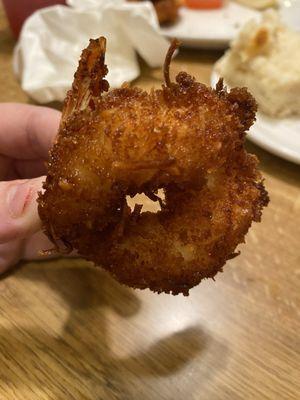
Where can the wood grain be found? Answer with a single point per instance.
(68, 331)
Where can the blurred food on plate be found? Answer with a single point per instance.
(258, 4)
(210, 28)
(167, 10)
(265, 57)
(204, 4)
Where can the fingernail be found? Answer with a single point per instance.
(18, 197)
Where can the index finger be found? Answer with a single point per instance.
(26, 131)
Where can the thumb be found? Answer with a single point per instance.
(18, 208)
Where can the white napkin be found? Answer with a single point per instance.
(52, 39)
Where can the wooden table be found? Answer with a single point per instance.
(68, 331)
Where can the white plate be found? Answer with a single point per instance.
(278, 136)
(209, 28)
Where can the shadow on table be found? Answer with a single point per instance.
(81, 355)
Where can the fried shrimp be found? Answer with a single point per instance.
(185, 139)
(166, 10)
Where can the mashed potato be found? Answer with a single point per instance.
(265, 57)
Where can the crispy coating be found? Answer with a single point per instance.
(184, 138)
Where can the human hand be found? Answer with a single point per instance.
(26, 135)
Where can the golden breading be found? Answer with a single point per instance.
(186, 139)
